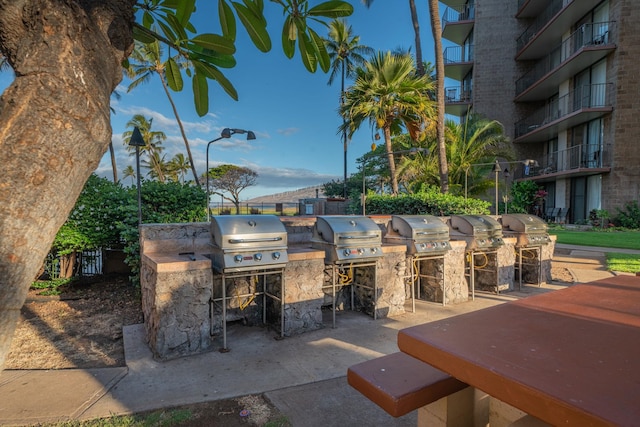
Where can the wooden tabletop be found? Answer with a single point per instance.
(568, 357)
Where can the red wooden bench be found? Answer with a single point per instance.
(399, 383)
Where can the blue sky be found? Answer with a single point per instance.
(292, 112)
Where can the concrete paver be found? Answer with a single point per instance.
(310, 367)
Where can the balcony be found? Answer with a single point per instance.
(458, 62)
(530, 8)
(586, 46)
(549, 27)
(457, 101)
(457, 23)
(579, 160)
(579, 106)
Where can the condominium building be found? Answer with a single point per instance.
(561, 77)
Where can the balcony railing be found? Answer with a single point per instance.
(588, 96)
(456, 94)
(587, 35)
(554, 7)
(458, 54)
(579, 158)
(463, 12)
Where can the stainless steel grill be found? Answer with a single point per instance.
(352, 246)
(248, 242)
(247, 251)
(347, 239)
(422, 234)
(427, 240)
(531, 235)
(479, 231)
(529, 230)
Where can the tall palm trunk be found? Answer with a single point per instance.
(392, 163)
(416, 31)
(112, 153)
(436, 29)
(344, 133)
(182, 132)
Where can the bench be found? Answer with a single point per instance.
(399, 383)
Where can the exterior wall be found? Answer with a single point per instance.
(623, 183)
(494, 70)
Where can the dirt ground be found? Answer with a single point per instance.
(82, 328)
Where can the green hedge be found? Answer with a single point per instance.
(430, 202)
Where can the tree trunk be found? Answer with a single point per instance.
(392, 163)
(112, 154)
(416, 32)
(436, 29)
(54, 125)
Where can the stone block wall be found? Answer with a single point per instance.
(175, 303)
(303, 295)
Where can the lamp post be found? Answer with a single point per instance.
(137, 141)
(226, 133)
(505, 197)
(412, 150)
(496, 170)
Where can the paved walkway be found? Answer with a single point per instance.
(304, 376)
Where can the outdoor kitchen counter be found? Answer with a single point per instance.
(304, 253)
(173, 262)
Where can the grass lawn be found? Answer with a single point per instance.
(612, 239)
(627, 263)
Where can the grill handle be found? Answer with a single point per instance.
(368, 236)
(264, 239)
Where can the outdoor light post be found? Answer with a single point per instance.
(137, 141)
(505, 197)
(226, 133)
(496, 170)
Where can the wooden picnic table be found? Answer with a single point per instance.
(569, 357)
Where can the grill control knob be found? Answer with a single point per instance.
(360, 251)
(237, 258)
(257, 257)
(374, 250)
(346, 252)
(275, 255)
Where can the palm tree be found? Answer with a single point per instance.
(472, 147)
(145, 60)
(389, 95)
(346, 55)
(158, 167)
(178, 167)
(129, 172)
(436, 30)
(153, 139)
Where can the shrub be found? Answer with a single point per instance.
(629, 217)
(428, 202)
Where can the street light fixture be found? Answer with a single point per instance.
(366, 157)
(226, 133)
(137, 141)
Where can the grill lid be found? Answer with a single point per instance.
(523, 223)
(347, 230)
(422, 234)
(528, 229)
(479, 231)
(418, 227)
(347, 238)
(237, 232)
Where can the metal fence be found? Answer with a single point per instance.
(282, 209)
(87, 263)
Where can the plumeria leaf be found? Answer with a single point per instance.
(307, 52)
(215, 42)
(200, 93)
(321, 51)
(288, 42)
(227, 20)
(173, 75)
(332, 9)
(255, 27)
